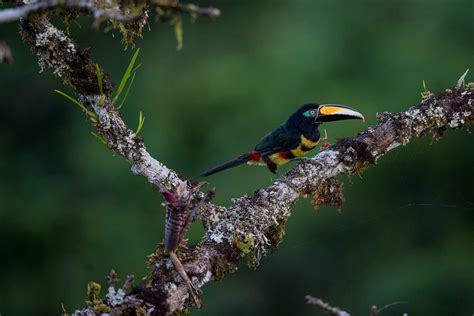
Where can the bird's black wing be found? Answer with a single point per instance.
(278, 140)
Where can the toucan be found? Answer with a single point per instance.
(293, 138)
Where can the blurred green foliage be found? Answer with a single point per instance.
(70, 211)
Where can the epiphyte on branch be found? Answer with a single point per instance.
(181, 207)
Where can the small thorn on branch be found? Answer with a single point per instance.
(336, 311)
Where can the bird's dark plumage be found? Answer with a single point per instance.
(293, 138)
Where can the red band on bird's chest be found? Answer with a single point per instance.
(286, 155)
(255, 155)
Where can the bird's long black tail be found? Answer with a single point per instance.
(226, 165)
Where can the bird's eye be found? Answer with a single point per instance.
(310, 113)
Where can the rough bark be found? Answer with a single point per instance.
(255, 223)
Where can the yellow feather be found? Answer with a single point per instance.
(278, 160)
(308, 143)
(298, 152)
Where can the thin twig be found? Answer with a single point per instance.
(336, 311)
(374, 311)
(210, 12)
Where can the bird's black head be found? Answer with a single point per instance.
(312, 114)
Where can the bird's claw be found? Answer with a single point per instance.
(324, 146)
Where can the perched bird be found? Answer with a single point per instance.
(293, 138)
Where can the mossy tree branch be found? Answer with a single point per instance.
(253, 224)
(103, 10)
(74, 65)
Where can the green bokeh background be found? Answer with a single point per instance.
(70, 211)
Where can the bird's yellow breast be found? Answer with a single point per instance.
(279, 158)
(304, 146)
(308, 142)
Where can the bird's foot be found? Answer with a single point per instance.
(325, 145)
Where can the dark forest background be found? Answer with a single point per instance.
(70, 211)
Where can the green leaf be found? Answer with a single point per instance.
(99, 81)
(460, 83)
(178, 30)
(126, 75)
(126, 93)
(76, 102)
(99, 78)
(141, 121)
(99, 138)
(136, 68)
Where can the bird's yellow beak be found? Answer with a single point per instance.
(337, 112)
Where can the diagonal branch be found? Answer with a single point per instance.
(54, 49)
(253, 224)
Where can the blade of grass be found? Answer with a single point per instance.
(178, 30)
(126, 75)
(136, 67)
(141, 121)
(126, 93)
(100, 138)
(79, 104)
(99, 81)
(99, 78)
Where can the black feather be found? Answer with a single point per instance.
(226, 165)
